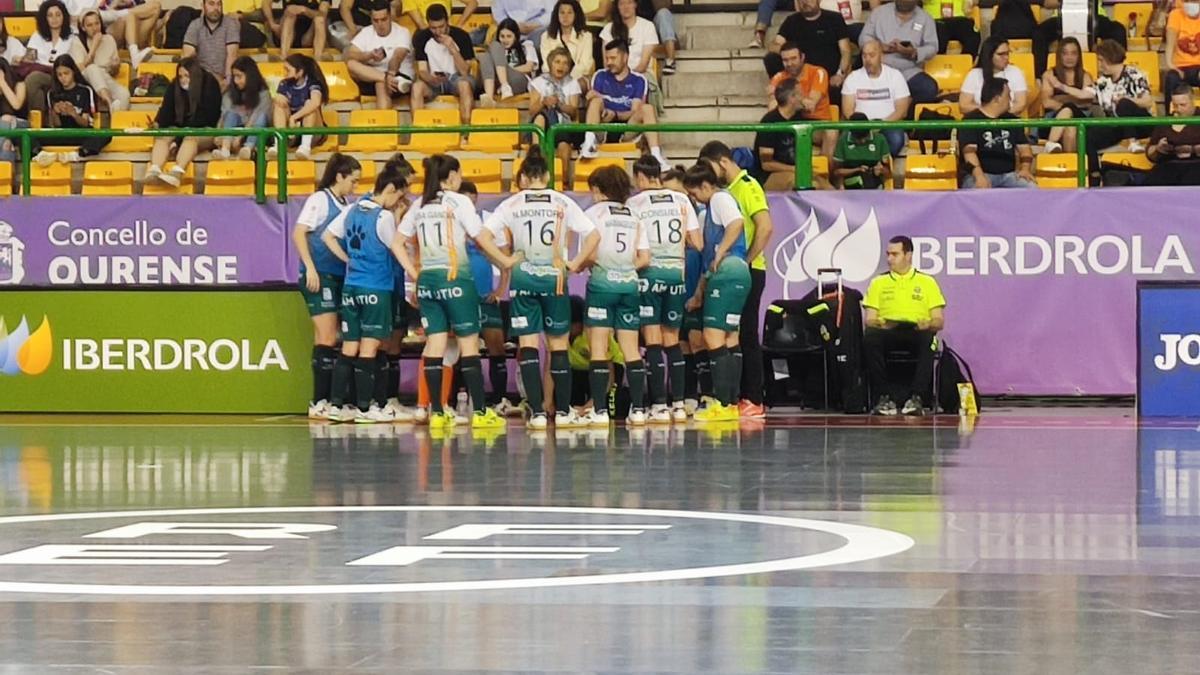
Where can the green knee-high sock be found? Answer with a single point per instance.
(598, 379)
(343, 377)
(656, 380)
(323, 361)
(472, 374)
(383, 373)
(560, 372)
(677, 366)
(722, 372)
(530, 365)
(635, 375)
(433, 381)
(364, 382)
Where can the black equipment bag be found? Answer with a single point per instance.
(953, 370)
(937, 138)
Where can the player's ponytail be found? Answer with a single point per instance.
(534, 166)
(612, 182)
(649, 167)
(339, 166)
(437, 170)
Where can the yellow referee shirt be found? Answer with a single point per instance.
(751, 200)
(904, 297)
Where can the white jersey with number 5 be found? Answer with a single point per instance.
(667, 217)
(536, 223)
(442, 227)
(621, 237)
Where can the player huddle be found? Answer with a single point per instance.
(657, 272)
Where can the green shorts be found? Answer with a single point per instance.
(691, 322)
(490, 316)
(365, 313)
(662, 303)
(327, 298)
(613, 310)
(448, 305)
(534, 313)
(725, 296)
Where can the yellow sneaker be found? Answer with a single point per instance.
(714, 412)
(488, 419)
(442, 420)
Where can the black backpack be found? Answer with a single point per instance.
(935, 137)
(952, 371)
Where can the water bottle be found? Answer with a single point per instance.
(464, 404)
(1133, 25)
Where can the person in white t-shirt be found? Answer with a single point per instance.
(641, 35)
(554, 98)
(129, 21)
(878, 91)
(995, 56)
(380, 57)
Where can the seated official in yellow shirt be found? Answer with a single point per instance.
(904, 312)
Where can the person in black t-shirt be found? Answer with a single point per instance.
(996, 157)
(443, 55)
(70, 104)
(775, 153)
(1175, 148)
(824, 38)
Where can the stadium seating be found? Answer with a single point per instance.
(1133, 160)
(1024, 61)
(585, 167)
(364, 119)
(931, 172)
(486, 174)
(301, 177)
(6, 179)
(342, 87)
(20, 27)
(1057, 170)
(106, 178)
(50, 181)
(187, 185)
(230, 177)
(166, 69)
(501, 142)
(429, 143)
(1148, 63)
(126, 119)
(949, 71)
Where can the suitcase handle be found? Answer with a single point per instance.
(829, 270)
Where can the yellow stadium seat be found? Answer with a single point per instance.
(368, 119)
(53, 180)
(103, 178)
(1020, 45)
(166, 69)
(429, 143)
(1056, 171)
(1090, 65)
(1126, 13)
(187, 185)
(35, 119)
(820, 167)
(230, 177)
(1133, 160)
(949, 70)
(124, 74)
(931, 172)
(493, 141)
(585, 167)
(20, 27)
(1024, 61)
(301, 177)
(6, 179)
(627, 149)
(342, 87)
(126, 119)
(1148, 63)
(366, 180)
(486, 174)
(835, 113)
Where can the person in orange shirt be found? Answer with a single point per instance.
(812, 84)
(1183, 45)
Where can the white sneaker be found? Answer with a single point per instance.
(174, 177)
(637, 417)
(219, 153)
(318, 410)
(137, 58)
(374, 415)
(153, 173)
(566, 420)
(538, 422)
(246, 153)
(1052, 147)
(1136, 146)
(596, 419)
(273, 152)
(487, 101)
(346, 413)
(461, 420)
(68, 157)
(660, 414)
(44, 158)
(506, 91)
(398, 412)
(690, 406)
(304, 152)
(421, 415)
(679, 412)
(589, 151)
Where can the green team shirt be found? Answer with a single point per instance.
(621, 237)
(666, 217)
(870, 152)
(536, 223)
(751, 200)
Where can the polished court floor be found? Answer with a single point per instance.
(1031, 541)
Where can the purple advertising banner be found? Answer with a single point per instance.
(145, 241)
(1040, 284)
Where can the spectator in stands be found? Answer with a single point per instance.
(71, 105)
(246, 104)
(1183, 45)
(1014, 20)
(213, 40)
(299, 99)
(443, 54)
(822, 35)
(301, 23)
(11, 49)
(637, 33)
(1050, 30)
(993, 62)
(659, 13)
(1122, 90)
(192, 101)
(12, 108)
(568, 30)
(908, 38)
(878, 91)
(554, 98)
(354, 16)
(861, 160)
(1067, 92)
(775, 153)
(380, 58)
(96, 54)
(531, 16)
(1000, 157)
(618, 94)
(813, 87)
(510, 60)
(851, 12)
(953, 22)
(51, 39)
(418, 11)
(905, 309)
(131, 22)
(1175, 148)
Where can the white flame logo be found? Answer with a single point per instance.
(798, 257)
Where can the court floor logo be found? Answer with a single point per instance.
(25, 352)
(404, 549)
